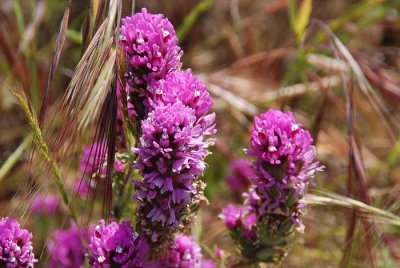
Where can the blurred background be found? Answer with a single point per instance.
(334, 64)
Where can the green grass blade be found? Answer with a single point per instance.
(191, 19)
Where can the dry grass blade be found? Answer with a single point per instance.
(15, 61)
(375, 100)
(299, 89)
(97, 95)
(328, 64)
(232, 99)
(54, 63)
(91, 99)
(99, 9)
(356, 166)
(326, 198)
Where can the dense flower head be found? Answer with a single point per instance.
(117, 245)
(239, 174)
(170, 157)
(15, 245)
(172, 146)
(180, 86)
(285, 159)
(150, 47)
(45, 204)
(66, 248)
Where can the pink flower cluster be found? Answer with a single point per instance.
(284, 165)
(15, 245)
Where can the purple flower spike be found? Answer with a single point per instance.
(150, 46)
(48, 205)
(285, 159)
(180, 86)
(117, 245)
(170, 157)
(285, 164)
(15, 245)
(240, 173)
(66, 248)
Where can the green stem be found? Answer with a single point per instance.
(191, 19)
(14, 157)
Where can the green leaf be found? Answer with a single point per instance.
(302, 19)
(19, 15)
(74, 36)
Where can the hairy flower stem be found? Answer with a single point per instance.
(43, 149)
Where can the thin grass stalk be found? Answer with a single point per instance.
(356, 167)
(43, 148)
(324, 197)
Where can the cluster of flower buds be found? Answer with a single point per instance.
(150, 47)
(173, 107)
(284, 165)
